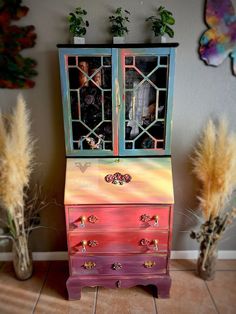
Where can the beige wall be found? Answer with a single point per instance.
(200, 92)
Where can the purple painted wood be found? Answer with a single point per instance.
(162, 284)
(118, 265)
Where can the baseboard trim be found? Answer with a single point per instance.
(62, 256)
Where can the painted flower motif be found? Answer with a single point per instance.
(127, 178)
(109, 178)
(118, 178)
(144, 242)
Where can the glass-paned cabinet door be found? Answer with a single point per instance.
(147, 84)
(86, 76)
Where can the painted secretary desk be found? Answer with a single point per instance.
(117, 105)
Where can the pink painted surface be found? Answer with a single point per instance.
(108, 217)
(151, 181)
(128, 264)
(118, 242)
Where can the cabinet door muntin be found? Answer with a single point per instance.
(145, 115)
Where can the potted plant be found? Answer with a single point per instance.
(77, 25)
(160, 24)
(118, 25)
(214, 164)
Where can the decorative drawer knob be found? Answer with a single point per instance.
(144, 242)
(155, 242)
(145, 218)
(84, 243)
(92, 219)
(116, 266)
(89, 265)
(82, 221)
(149, 264)
(92, 243)
(156, 220)
(118, 284)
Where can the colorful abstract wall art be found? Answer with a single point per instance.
(15, 70)
(219, 41)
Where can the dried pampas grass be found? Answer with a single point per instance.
(16, 155)
(215, 166)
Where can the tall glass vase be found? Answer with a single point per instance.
(206, 265)
(22, 259)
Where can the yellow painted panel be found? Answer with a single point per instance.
(151, 181)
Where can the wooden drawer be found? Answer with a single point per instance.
(118, 242)
(118, 265)
(101, 217)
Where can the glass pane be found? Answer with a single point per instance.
(74, 105)
(91, 106)
(159, 78)
(132, 78)
(91, 102)
(146, 90)
(71, 60)
(163, 60)
(146, 64)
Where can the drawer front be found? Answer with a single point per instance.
(118, 265)
(94, 218)
(118, 242)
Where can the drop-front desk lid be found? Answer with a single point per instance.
(119, 181)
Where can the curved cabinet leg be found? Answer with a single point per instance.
(162, 290)
(74, 289)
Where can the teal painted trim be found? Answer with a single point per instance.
(64, 92)
(146, 51)
(115, 108)
(170, 101)
(121, 125)
(91, 153)
(85, 51)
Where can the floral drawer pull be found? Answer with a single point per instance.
(145, 218)
(116, 266)
(118, 178)
(149, 264)
(144, 242)
(92, 243)
(89, 265)
(92, 219)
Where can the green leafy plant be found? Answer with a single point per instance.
(118, 21)
(161, 22)
(77, 24)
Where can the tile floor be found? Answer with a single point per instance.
(45, 293)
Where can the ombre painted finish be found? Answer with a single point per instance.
(122, 241)
(117, 105)
(151, 181)
(106, 217)
(118, 264)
